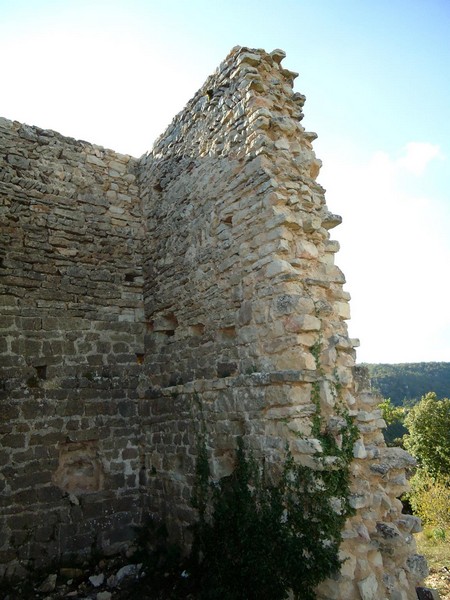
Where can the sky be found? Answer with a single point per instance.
(376, 75)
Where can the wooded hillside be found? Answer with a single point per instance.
(410, 381)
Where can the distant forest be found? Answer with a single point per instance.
(406, 383)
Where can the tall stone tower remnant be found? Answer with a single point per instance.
(199, 277)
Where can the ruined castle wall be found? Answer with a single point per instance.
(71, 344)
(192, 293)
(247, 316)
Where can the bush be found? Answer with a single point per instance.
(430, 500)
(428, 440)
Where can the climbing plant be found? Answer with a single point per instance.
(264, 538)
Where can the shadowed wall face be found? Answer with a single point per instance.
(71, 322)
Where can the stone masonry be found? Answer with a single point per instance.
(141, 297)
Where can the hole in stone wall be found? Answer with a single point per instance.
(129, 276)
(226, 369)
(165, 324)
(41, 372)
(197, 330)
(158, 187)
(228, 220)
(140, 358)
(168, 324)
(227, 333)
(142, 476)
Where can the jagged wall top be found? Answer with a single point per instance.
(232, 87)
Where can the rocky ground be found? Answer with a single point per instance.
(439, 579)
(109, 579)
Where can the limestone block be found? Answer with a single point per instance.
(278, 55)
(368, 588)
(95, 160)
(295, 360)
(349, 564)
(306, 446)
(343, 310)
(359, 500)
(279, 267)
(365, 416)
(359, 450)
(288, 303)
(417, 566)
(330, 220)
(300, 323)
(409, 523)
(391, 458)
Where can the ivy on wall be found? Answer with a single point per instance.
(256, 539)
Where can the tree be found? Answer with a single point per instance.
(394, 417)
(391, 414)
(428, 440)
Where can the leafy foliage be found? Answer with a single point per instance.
(430, 500)
(394, 417)
(428, 440)
(391, 413)
(262, 538)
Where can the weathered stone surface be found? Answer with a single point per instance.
(368, 588)
(145, 299)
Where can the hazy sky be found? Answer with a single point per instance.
(376, 75)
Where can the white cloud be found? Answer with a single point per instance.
(417, 157)
(395, 254)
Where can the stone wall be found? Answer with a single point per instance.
(247, 315)
(71, 344)
(236, 326)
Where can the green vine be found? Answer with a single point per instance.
(264, 538)
(260, 539)
(317, 418)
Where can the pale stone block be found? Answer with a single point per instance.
(117, 166)
(300, 426)
(307, 446)
(349, 564)
(343, 310)
(279, 267)
(283, 412)
(299, 323)
(95, 160)
(363, 532)
(368, 588)
(295, 359)
(365, 416)
(327, 393)
(359, 450)
(376, 559)
(282, 144)
(307, 250)
(359, 500)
